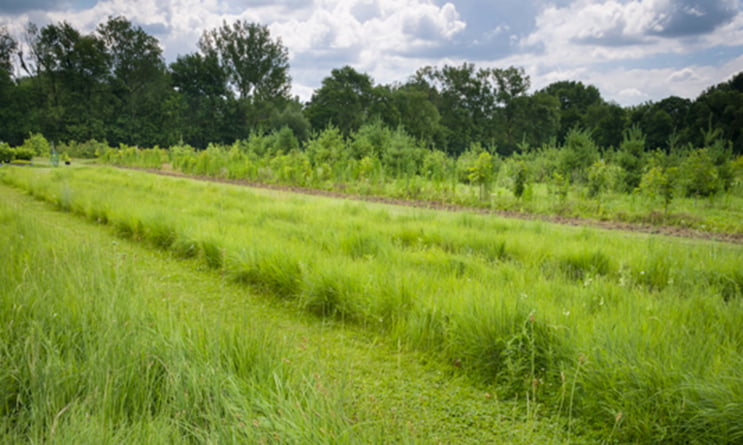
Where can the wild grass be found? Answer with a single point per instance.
(636, 336)
(90, 356)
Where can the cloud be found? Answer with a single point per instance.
(633, 50)
(615, 24)
(684, 18)
(635, 85)
(375, 36)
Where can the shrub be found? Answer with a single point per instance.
(37, 145)
(578, 154)
(699, 174)
(7, 154)
(598, 178)
(402, 156)
(24, 153)
(520, 175)
(436, 165)
(660, 182)
(630, 157)
(85, 150)
(370, 140)
(481, 173)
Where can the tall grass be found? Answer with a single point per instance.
(88, 354)
(634, 334)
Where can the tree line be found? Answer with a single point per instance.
(114, 85)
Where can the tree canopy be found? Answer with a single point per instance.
(113, 84)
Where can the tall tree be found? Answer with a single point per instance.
(533, 120)
(606, 122)
(202, 84)
(71, 70)
(8, 47)
(343, 100)
(575, 100)
(418, 114)
(466, 102)
(511, 85)
(256, 65)
(719, 107)
(474, 103)
(138, 82)
(8, 112)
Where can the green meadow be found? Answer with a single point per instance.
(143, 308)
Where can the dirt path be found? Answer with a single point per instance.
(681, 232)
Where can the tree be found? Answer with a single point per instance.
(699, 176)
(343, 100)
(8, 47)
(630, 157)
(70, 77)
(481, 173)
(607, 123)
(467, 103)
(577, 155)
(511, 83)
(520, 174)
(720, 106)
(138, 82)
(418, 114)
(256, 66)
(533, 120)
(292, 116)
(575, 100)
(475, 104)
(660, 182)
(598, 178)
(202, 85)
(8, 111)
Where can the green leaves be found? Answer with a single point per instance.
(256, 66)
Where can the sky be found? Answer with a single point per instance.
(634, 51)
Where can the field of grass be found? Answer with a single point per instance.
(105, 340)
(573, 334)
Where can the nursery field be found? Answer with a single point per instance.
(165, 309)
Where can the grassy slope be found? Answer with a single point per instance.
(94, 325)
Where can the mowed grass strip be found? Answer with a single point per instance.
(634, 335)
(104, 340)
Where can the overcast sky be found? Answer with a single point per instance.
(632, 50)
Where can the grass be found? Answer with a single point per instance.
(105, 340)
(621, 337)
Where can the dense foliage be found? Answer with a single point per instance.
(692, 187)
(114, 85)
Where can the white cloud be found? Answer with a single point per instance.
(371, 40)
(633, 86)
(587, 31)
(320, 34)
(613, 44)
